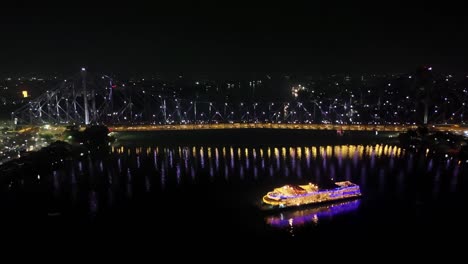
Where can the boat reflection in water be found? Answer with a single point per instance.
(311, 215)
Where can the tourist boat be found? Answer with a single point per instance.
(296, 195)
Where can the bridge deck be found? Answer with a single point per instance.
(396, 128)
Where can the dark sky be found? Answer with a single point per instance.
(211, 39)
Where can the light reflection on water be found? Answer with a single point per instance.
(337, 161)
(278, 161)
(299, 217)
(245, 174)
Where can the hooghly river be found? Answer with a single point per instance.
(213, 191)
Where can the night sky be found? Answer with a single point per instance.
(234, 40)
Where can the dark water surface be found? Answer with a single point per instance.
(188, 192)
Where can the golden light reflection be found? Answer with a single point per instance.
(292, 153)
(361, 151)
(337, 150)
(379, 151)
(329, 151)
(314, 152)
(368, 150)
(351, 151)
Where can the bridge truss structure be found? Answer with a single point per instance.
(87, 99)
(90, 99)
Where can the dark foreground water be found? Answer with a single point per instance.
(191, 193)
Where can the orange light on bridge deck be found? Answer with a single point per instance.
(25, 94)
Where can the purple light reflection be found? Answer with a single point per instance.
(311, 215)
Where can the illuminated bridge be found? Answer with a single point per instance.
(89, 99)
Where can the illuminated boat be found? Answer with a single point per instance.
(296, 195)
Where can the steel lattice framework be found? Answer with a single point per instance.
(86, 99)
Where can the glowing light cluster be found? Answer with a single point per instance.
(296, 195)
